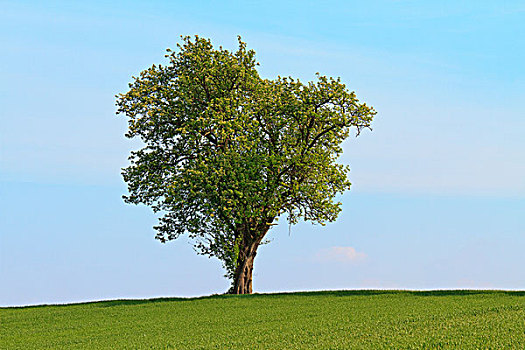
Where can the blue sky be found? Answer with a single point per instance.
(438, 195)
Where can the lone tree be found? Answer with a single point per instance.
(227, 152)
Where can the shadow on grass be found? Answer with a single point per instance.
(370, 292)
(327, 293)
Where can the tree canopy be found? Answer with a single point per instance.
(226, 152)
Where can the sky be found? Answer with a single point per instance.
(438, 194)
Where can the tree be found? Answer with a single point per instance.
(226, 153)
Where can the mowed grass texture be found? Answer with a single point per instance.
(317, 320)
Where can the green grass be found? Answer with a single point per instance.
(317, 320)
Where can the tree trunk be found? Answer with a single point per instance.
(242, 283)
(242, 280)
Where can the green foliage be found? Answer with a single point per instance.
(227, 152)
(321, 320)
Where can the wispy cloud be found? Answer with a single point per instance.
(340, 254)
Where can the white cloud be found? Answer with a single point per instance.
(340, 254)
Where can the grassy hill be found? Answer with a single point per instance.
(317, 320)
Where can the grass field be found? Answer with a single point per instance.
(317, 320)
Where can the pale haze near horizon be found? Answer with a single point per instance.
(438, 194)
